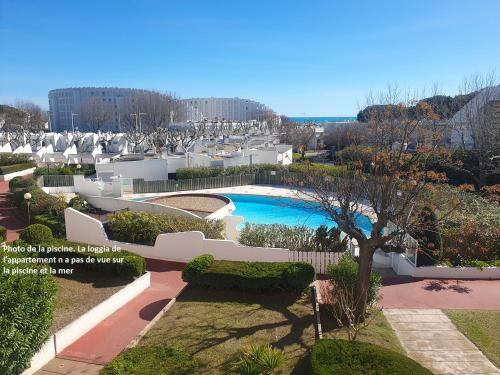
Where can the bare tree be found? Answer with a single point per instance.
(389, 194)
(183, 137)
(95, 113)
(341, 301)
(29, 127)
(478, 125)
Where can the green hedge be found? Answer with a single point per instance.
(6, 169)
(86, 169)
(147, 360)
(21, 183)
(144, 227)
(3, 233)
(26, 313)
(8, 158)
(204, 172)
(248, 276)
(360, 358)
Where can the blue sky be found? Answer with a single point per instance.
(314, 57)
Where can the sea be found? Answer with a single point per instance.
(319, 120)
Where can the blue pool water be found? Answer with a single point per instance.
(258, 209)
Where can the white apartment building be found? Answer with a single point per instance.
(234, 109)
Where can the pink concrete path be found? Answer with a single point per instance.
(9, 218)
(411, 293)
(105, 341)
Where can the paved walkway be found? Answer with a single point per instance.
(412, 293)
(8, 216)
(430, 338)
(105, 341)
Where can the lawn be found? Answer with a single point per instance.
(215, 326)
(482, 328)
(78, 293)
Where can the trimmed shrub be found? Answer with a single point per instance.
(144, 227)
(345, 274)
(55, 223)
(196, 267)
(359, 358)
(250, 276)
(26, 312)
(8, 158)
(146, 360)
(3, 233)
(21, 183)
(6, 169)
(132, 266)
(36, 234)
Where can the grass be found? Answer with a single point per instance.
(379, 332)
(215, 326)
(481, 327)
(78, 293)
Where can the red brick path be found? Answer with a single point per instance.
(411, 293)
(105, 341)
(8, 215)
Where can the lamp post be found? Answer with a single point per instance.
(27, 197)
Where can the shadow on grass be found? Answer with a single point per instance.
(97, 279)
(291, 324)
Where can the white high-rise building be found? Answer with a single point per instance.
(234, 109)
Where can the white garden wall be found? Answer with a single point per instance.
(179, 247)
(10, 176)
(402, 266)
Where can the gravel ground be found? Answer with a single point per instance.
(201, 206)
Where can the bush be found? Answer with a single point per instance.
(294, 238)
(8, 158)
(429, 239)
(15, 168)
(85, 169)
(3, 233)
(26, 310)
(345, 274)
(79, 203)
(55, 223)
(250, 276)
(143, 227)
(196, 267)
(132, 266)
(21, 183)
(146, 360)
(36, 234)
(259, 359)
(359, 358)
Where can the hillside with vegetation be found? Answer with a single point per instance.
(443, 106)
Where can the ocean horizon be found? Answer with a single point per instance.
(322, 119)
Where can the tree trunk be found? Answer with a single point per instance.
(363, 281)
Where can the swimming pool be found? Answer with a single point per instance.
(259, 209)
